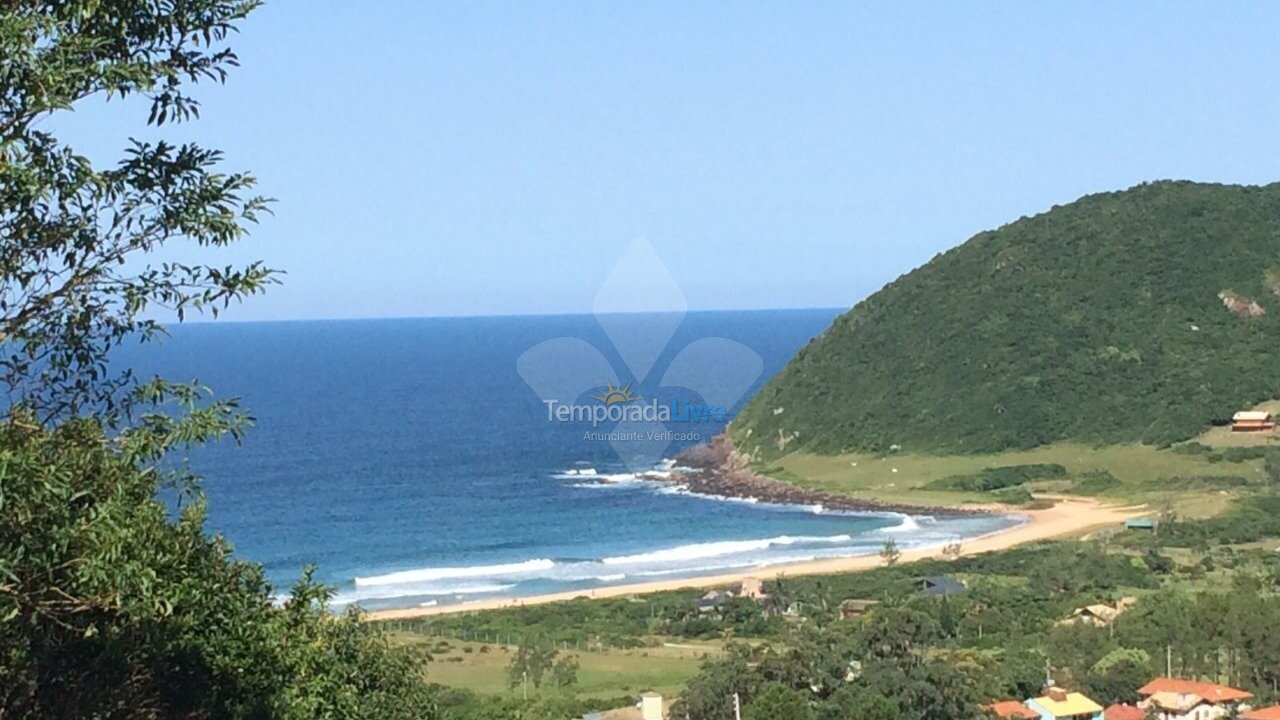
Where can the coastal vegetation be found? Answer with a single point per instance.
(1199, 609)
(1140, 316)
(1192, 479)
(114, 601)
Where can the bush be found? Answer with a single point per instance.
(1094, 482)
(996, 478)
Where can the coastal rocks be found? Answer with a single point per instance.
(720, 469)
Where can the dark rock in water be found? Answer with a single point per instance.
(719, 469)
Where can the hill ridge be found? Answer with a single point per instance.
(1141, 315)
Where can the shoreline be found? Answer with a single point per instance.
(1068, 516)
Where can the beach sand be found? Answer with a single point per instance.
(1070, 516)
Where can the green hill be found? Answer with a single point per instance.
(1143, 315)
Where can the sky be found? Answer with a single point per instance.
(438, 158)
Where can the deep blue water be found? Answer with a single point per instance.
(412, 455)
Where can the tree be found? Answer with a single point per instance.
(1116, 677)
(75, 278)
(778, 702)
(533, 659)
(890, 552)
(855, 702)
(110, 606)
(566, 672)
(709, 695)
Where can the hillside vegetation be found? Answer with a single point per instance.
(1144, 316)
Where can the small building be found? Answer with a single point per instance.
(1179, 699)
(1121, 711)
(1012, 710)
(713, 600)
(1058, 704)
(1146, 524)
(752, 588)
(852, 608)
(1253, 421)
(1101, 614)
(941, 586)
(1266, 713)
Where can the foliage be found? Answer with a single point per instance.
(72, 263)
(565, 672)
(1094, 482)
(531, 661)
(778, 702)
(1099, 321)
(998, 478)
(113, 604)
(1116, 677)
(112, 609)
(709, 695)
(1250, 519)
(890, 553)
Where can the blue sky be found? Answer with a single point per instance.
(494, 158)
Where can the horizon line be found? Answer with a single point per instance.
(490, 316)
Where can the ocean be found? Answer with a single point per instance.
(413, 462)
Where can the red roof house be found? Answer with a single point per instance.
(1013, 710)
(1124, 712)
(1266, 713)
(1178, 699)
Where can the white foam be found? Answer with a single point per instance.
(390, 592)
(908, 524)
(428, 574)
(699, 551)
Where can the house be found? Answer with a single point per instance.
(1124, 712)
(1178, 699)
(1058, 704)
(1101, 614)
(1266, 713)
(1141, 524)
(941, 586)
(1253, 421)
(1012, 710)
(753, 588)
(713, 601)
(852, 608)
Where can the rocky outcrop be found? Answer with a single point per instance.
(719, 469)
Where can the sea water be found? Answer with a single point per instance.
(411, 462)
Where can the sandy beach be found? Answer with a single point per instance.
(1068, 517)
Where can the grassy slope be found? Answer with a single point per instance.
(1096, 322)
(602, 674)
(1141, 469)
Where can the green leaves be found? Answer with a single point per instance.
(1098, 321)
(114, 602)
(74, 281)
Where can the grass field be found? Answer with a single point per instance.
(1140, 469)
(482, 668)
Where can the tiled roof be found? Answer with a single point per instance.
(1124, 712)
(1210, 692)
(1074, 704)
(1266, 713)
(1014, 710)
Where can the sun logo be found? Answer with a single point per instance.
(615, 394)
